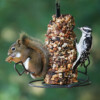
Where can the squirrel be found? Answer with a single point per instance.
(32, 53)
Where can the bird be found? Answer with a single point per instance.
(83, 48)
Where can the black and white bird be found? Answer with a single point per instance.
(83, 48)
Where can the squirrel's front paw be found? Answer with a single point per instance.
(9, 59)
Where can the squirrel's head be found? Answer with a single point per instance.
(15, 51)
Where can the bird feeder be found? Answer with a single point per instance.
(60, 42)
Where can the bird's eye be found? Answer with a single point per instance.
(13, 49)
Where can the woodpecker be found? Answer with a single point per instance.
(83, 48)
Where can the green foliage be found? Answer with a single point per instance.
(33, 16)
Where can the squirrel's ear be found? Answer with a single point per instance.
(18, 42)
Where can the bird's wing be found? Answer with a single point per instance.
(88, 43)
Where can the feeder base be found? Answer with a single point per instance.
(81, 82)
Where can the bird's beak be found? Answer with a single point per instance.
(78, 27)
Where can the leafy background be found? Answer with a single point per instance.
(32, 16)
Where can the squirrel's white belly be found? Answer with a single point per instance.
(26, 63)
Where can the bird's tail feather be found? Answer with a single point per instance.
(76, 65)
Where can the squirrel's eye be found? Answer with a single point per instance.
(13, 48)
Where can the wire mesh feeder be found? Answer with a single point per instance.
(83, 81)
(60, 43)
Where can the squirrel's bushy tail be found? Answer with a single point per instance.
(38, 47)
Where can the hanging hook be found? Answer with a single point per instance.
(57, 8)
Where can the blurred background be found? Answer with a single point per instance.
(32, 17)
